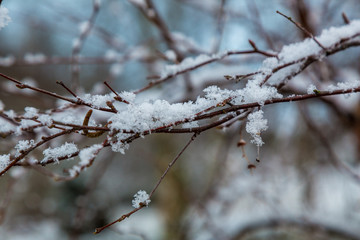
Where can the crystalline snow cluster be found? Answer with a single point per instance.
(4, 161)
(65, 150)
(255, 126)
(140, 197)
(85, 155)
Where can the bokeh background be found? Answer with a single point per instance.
(295, 192)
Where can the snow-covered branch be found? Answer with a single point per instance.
(74, 129)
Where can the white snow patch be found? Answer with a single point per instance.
(65, 150)
(4, 161)
(141, 197)
(255, 126)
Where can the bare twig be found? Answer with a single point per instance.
(304, 30)
(221, 20)
(67, 89)
(345, 18)
(4, 204)
(79, 43)
(306, 225)
(117, 97)
(337, 163)
(123, 217)
(172, 163)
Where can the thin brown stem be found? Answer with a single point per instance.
(303, 29)
(123, 217)
(67, 89)
(172, 163)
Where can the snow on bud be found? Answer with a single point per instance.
(255, 126)
(141, 198)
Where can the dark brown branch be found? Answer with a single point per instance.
(203, 115)
(67, 89)
(221, 20)
(277, 100)
(24, 153)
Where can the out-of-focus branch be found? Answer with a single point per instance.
(221, 20)
(151, 13)
(123, 217)
(305, 225)
(318, 133)
(79, 42)
(211, 59)
(309, 34)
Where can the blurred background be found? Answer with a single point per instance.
(294, 193)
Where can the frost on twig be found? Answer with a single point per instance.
(65, 150)
(141, 198)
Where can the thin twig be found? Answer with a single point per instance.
(123, 217)
(79, 43)
(4, 205)
(220, 25)
(345, 18)
(304, 30)
(111, 89)
(337, 163)
(172, 163)
(67, 89)
(117, 97)
(255, 17)
(24, 153)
